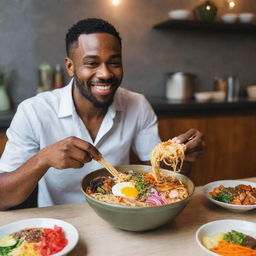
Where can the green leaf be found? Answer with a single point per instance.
(234, 237)
(224, 197)
(101, 190)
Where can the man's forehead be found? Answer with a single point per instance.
(95, 44)
(98, 39)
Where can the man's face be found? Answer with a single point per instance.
(96, 65)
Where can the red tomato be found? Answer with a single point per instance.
(53, 241)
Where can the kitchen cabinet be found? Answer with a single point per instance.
(207, 26)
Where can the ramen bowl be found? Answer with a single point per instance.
(136, 218)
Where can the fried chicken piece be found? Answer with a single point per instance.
(239, 198)
(250, 198)
(216, 190)
(245, 187)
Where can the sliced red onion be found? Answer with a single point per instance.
(154, 198)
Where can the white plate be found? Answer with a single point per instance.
(223, 226)
(70, 231)
(228, 183)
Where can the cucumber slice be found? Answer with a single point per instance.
(8, 241)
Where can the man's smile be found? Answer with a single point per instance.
(102, 88)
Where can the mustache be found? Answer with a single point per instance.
(102, 81)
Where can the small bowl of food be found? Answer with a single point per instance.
(227, 237)
(137, 202)
(234, 195)
(180, 14)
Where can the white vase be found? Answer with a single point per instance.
(4, 99)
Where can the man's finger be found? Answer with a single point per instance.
(187, 136)
(89, 148)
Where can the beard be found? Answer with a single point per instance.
(86, 93)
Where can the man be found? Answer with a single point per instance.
(54, 136)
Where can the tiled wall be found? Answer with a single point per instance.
(33, 31)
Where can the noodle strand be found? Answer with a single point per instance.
(170, 153)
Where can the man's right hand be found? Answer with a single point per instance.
(71, 152)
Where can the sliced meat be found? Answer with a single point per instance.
(249, 242)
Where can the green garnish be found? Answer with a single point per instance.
(141, 185)
(101, 190)
(224, 197)
(129, 176)
(234, 237)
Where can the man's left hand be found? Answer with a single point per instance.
(193, 140)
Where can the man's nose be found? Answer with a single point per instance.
(104, 72)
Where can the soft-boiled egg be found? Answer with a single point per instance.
(125, 189)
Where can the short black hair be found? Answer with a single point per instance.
(89, 26)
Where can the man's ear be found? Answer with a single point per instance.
(69, 66)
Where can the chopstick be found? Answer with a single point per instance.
(109, 167)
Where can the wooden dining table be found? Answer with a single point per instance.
(98, 238)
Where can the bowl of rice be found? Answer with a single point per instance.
(136, 201)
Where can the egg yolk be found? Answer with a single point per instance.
(129, 192)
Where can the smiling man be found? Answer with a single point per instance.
(55, 135)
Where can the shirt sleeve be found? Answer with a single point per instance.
(147, 136)
(22, 141)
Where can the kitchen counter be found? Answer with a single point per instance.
(177, 106)
(96, 237)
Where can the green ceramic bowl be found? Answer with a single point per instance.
(136, 218)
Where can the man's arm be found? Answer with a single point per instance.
(17, 185)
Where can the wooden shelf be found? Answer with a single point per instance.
(207, 26)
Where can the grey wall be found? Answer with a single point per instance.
(33, 31)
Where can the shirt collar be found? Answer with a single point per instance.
(67, 106)
(66, 102)
(117, 104)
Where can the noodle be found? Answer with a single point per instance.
(153, 193)
(112, 199)
(150, 189)
(170, 153)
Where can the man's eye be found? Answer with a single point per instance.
(116, 63)
(91, 64)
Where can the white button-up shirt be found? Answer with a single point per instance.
(51, 116)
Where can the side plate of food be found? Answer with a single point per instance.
(234, 195)
(35, 236)
(227, 237)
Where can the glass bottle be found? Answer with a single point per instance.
(58, 77)
(45, 77)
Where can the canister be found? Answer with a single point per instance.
(180, 86)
